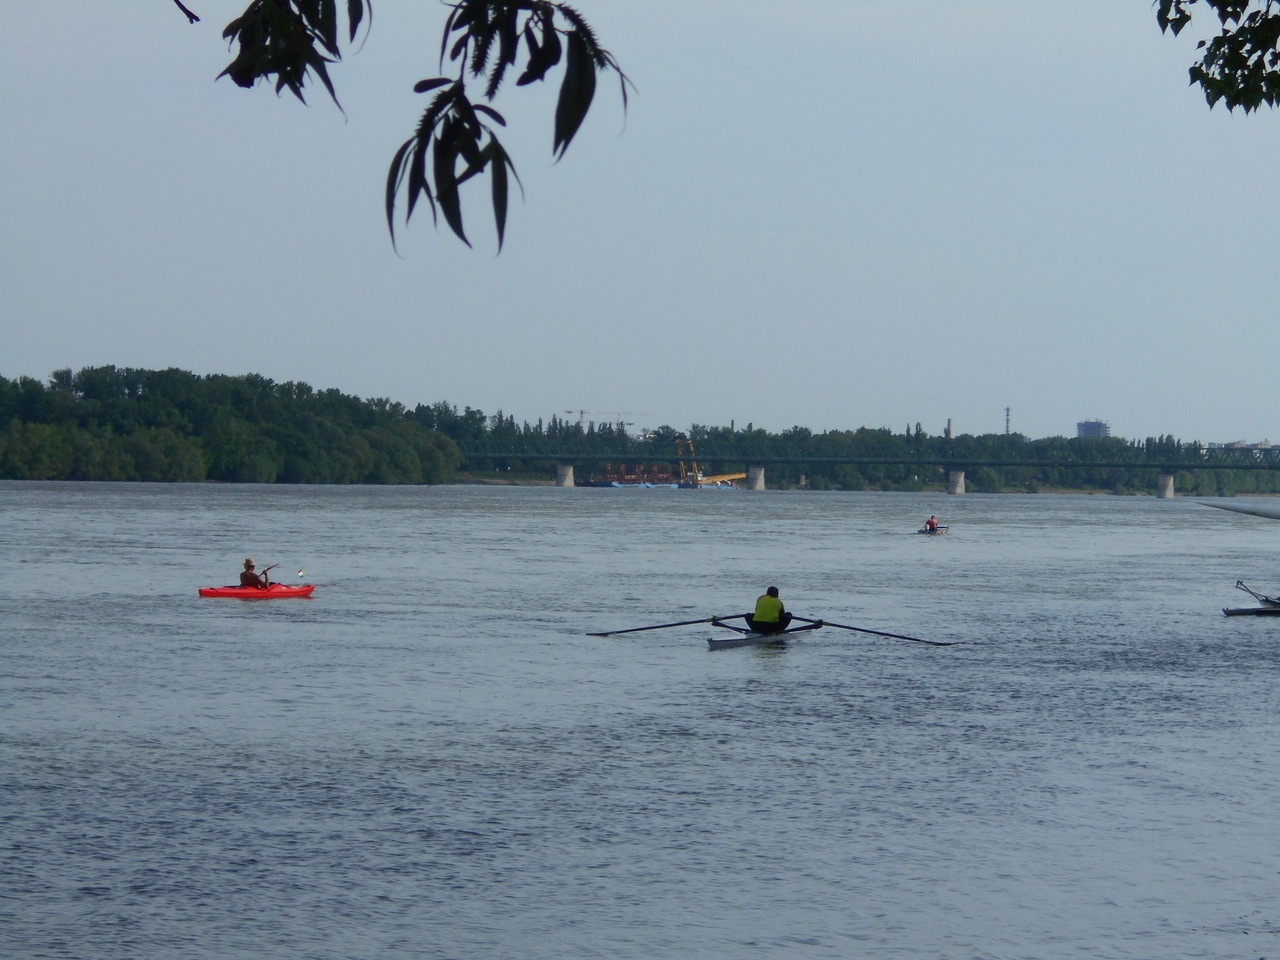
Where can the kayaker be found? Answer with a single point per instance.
(770, 615)
(250, 579)
(931, 524)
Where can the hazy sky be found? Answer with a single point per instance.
(831, 213)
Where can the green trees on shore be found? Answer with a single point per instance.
(108, 423)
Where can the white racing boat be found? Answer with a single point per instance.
(748, 638)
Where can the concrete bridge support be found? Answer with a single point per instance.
(564, 474)
(755, 478)
(955, 481)
(1164, 486)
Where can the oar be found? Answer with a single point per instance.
(1257, 596)
(878, 633)
(661, 626)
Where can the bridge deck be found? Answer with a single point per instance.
(1225, 459)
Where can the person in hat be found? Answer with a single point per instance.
(250, 579)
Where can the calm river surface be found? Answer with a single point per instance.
(431, 759)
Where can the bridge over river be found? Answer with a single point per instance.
(565, 456)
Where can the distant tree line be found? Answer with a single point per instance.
(109, 423)
(722, 450)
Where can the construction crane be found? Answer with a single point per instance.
(605, 413)
(582, 414)
(691, 473)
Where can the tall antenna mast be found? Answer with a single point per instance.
(1006, 420)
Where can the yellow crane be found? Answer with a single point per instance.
(691, 474)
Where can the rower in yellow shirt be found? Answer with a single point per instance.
(770, 615)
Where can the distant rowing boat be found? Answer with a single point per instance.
(934, 532)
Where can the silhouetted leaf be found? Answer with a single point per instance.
(445, 156)
(542, 56)
(498, 181)
(422, 86)
(418, 185)
(576, 92)
(394, 178)
(355, 15)
(324, 24)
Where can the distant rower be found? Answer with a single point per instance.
(770, 615)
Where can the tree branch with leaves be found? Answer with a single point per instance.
(457, 134)
(292, 41)
(1241, 65)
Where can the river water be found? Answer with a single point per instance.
(432, 759)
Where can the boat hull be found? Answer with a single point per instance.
(277, 591)
(1267, 611)
(617, 484)
(932, 533)
(747, 638)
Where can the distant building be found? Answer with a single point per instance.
(1093, 429)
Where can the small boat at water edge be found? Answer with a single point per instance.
(618, 484)
(1269, 606)
(635, 486)
(277, 591)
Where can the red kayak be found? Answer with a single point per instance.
(276, 591)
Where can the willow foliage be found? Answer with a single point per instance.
(290, 42)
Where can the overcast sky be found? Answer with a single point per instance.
(827, 213)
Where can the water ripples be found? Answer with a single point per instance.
(432, 760)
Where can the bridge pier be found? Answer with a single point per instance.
(755, 478)
(564, 474)
(1164, 486)
(955, 482)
